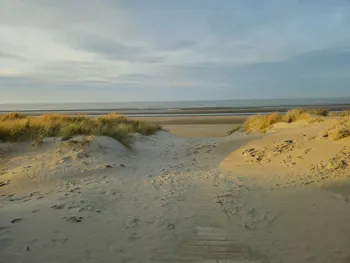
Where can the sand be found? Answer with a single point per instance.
(278, 197)
(200, 130)
(190, 120)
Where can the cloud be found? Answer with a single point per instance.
(114, 50)
(9, 56)
(237, 48)
(177, 46)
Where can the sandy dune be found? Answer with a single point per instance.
(281, 197)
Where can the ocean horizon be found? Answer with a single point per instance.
(173, 105)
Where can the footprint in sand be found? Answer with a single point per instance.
(16, 220)
(58, 207)
(74, 219)
(3, 183)
(59, 240)
(4, 229)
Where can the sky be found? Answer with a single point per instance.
(154, 50)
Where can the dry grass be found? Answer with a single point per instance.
(345, 113)
(318, 111)
(261, 123)
(303, 114)
(17, 127)
(339, 131)
(12, 116)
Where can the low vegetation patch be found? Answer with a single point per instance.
(303, 114)
(18, 127)
(12, 116)
(261, 123)
(340, 113)
(339, 131)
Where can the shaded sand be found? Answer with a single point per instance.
(239, 198)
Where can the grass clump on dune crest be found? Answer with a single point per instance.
(111, 116)
(303, 114)
(12, 116)
(345, 113)
(261, 123)
(318, 111)
(17, 127)
(294, 115)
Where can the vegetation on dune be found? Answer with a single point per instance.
(261, 123)
(340, 131)
(303, 114)
(340, 113)
(12, 116)
(18, 127)
(235, 129)
(318, 111)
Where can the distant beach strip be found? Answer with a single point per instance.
(182, 112)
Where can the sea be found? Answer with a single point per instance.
(179, 108)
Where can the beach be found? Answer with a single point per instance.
(174, 131)
(189, 193)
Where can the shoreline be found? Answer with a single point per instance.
(242, 112)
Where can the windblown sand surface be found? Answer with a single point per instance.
(200, 130)
(279, 197)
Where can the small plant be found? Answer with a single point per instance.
(37, 138)
(230, 132)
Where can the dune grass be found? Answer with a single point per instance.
(303, 114)
(18, 127)
(345, 113)
(261, 123)
(340, 131)
(12, 116)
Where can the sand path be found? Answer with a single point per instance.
(168, 201)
